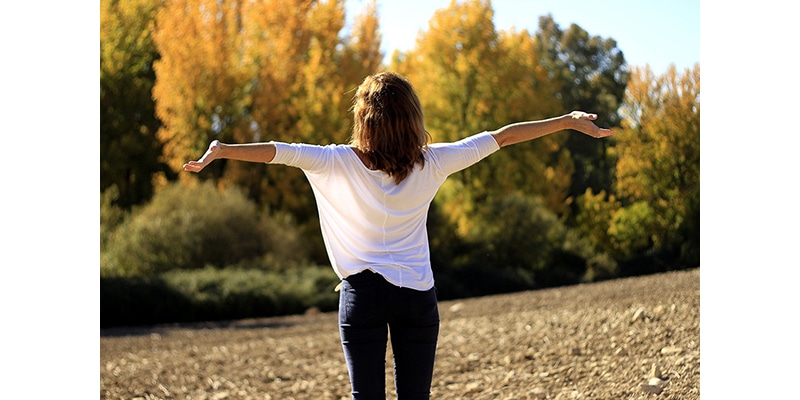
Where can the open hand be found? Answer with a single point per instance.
(582, 122)
(211, 154)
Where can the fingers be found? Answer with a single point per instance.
(597, 132)
(603, 132)
(583, 115)
(585, 125)
(193, 166)
(197, 166)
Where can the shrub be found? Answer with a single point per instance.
(634, 229)
(518, 232)
(520, 244)
(185, 226)
(111, 215)
(283, 240)
(211, 294)
(131, 301)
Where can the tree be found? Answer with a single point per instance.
(248, 71)
(201, 90)
(658, 172)
(470, 78)
(590, 74)
(129, 149)
(362, 54)
(453, 68)
(292, 91)
(594, 217)
(526, 93)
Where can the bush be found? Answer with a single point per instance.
(212, 294)
(519, 244)
(111, 215)
(474, 280)
(634, 229)
(184, 227)
(130, 301)
(519, 233)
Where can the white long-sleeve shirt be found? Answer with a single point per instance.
(369, 222)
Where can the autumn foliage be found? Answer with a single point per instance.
(177, 74)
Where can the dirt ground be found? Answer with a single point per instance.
(606, 340)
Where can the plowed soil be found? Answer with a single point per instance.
(605, 340)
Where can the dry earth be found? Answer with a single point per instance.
(604, 340)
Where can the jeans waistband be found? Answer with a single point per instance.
(366, 275)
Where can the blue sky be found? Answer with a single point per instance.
(658, 33)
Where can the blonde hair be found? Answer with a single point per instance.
(389, 127)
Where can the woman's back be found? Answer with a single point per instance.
(368, 220)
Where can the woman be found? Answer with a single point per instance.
(373, 196)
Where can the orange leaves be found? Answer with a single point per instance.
(660, 145)
(659, 148)
(250, 70)
(256, 70)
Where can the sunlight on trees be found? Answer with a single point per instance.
(177, 74)
(658, 172)
(129, 149)
(242, 71)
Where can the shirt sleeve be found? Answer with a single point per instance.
(308, 157)
(455, 156)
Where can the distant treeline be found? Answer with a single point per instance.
(242, 240)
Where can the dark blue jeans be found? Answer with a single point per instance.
(370, 311)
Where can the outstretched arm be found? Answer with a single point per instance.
(524, 131)
(253, 152)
